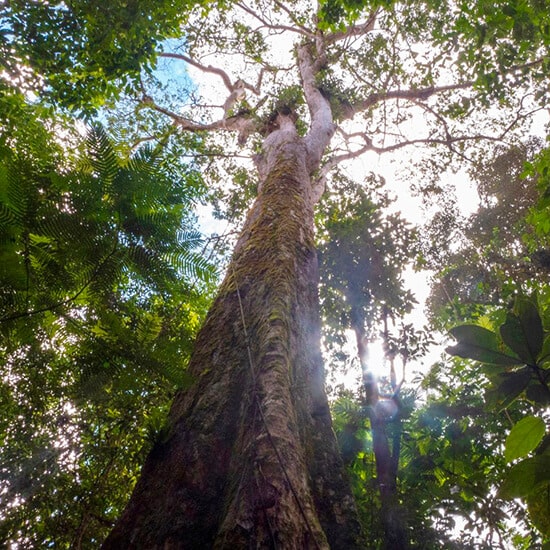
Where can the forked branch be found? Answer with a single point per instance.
(274, 26)
(217, 71)
(354, 30)
(422, 94)
(237, 123)
(448, 140)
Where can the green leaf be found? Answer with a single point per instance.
(480, 344)
(544, 356)
(538, 504)
(524, 437)
(538, 393)
(524, 477)
(513, 383)
(523, 331)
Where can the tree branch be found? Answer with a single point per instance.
(206, 68)
(293, 17)
(411, 95)
(421, 93)
(354, 30)
(217, 71)
(240, 123)
(322, 127)
(449, 141)
(299, 30)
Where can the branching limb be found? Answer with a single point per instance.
(416, 95)
(236, 89)
(354, 30)
(292, 17)
(299, 30)
(422, 94)
(205, 68)
(448, 140)
(238, 123)
(220, 72)
(322, 127)
(182, 122)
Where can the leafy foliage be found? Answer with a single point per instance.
(479, 259)
(524, 333)
(96, 318)
(362, 251)
(82, 52)
(524, 437)
(102, 292)
(500, 385)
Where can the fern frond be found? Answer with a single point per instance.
(17, 191)
(347, 407)
(190, 264)
(103, 158)
(7, 216)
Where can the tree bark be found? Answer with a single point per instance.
(250, 459)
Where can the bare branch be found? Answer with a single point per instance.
(239, 123)
(354, 30)
(182, 122)
(421, 93)
(411, 95)
(299, 30)
(258, 87)
(448, 141)
(292, 17)
(206, 68)
(217, 71)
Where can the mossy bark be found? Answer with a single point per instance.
(251, 460)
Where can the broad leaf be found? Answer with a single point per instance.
(538, 393)
(544, 356)
(480, 344)
(538, 504)
(524, 437)
(523, 332)
(507, 387)
(524, 477)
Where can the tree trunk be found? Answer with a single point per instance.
(250, 460)
(392, 514)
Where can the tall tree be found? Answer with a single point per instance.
(361, 287)
(249, 457)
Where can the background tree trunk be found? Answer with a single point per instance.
(250, 459)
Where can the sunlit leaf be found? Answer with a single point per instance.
(524, 477)
(524, 437)
(480, 344)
